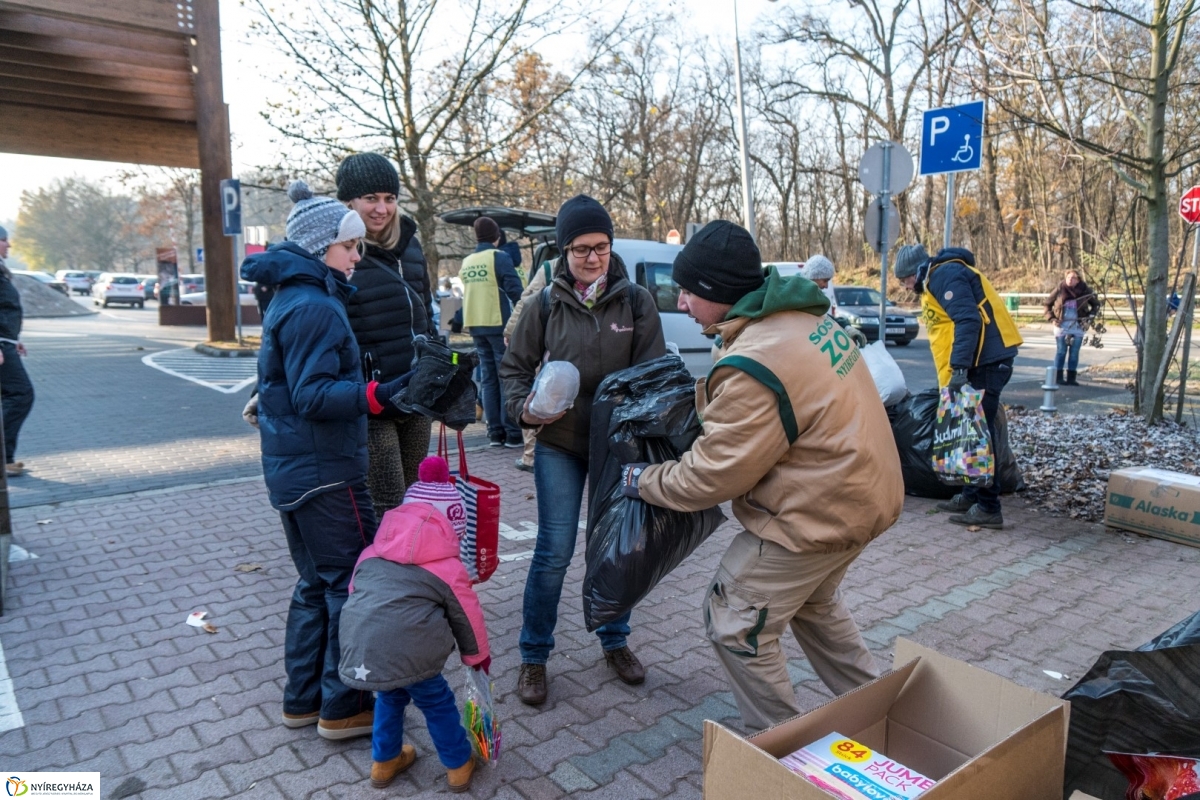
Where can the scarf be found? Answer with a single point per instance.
(588, 295)
(1076, 292)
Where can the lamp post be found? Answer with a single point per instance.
(747, 193)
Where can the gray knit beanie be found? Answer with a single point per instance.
(818, 268)
(318, 222)
(909, 259)
(3, 233)
(366, 173)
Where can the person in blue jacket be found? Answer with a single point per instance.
(312, 420)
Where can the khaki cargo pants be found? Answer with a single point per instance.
(759, 591)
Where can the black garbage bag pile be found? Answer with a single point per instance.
(1141, 701)
(912, 422)
(441, 387)
(646, 413)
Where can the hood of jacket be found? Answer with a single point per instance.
(288, 262)
(415, 533)
(779, 293)
(953, 254)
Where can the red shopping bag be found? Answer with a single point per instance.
(479, 548)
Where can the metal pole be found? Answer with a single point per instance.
(239, 255)
(949, 209)
(747, 194)
(885, 204)
(1190, 304)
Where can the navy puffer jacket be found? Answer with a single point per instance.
(312, 402)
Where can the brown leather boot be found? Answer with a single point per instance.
(384, 772)
(626, 664)
(361, 724)
(531, 684)
(459, 779)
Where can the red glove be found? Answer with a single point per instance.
(485, 666)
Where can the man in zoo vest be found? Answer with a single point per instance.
(796, 436)
(491, 287)
(974, 342)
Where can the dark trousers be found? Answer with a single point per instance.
(992, 378)
(325, 537)
(16, 397)
(491, 352)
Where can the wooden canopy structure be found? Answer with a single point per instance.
(134, 81)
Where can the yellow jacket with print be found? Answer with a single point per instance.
(838, 485)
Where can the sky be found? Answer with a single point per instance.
(247, 71)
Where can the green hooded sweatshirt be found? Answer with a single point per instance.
(779, 293)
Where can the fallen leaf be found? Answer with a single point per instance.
(209, 628)
(529, 496)
(931, 511)
(248, 568)
(974, 528)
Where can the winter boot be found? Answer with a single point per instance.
(1058, 379)
(459, 778)
(1071, 378)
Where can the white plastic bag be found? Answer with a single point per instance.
(555, 389)
(889, 380)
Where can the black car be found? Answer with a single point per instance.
(859, 306)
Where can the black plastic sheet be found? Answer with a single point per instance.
(646, 413)
(442, 387)
(912, 422)
(1135, 701)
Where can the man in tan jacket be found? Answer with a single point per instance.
(538, 280)
(795, 434)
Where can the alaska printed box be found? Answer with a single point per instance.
(1155, 502)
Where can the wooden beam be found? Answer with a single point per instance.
(70, 134)
(216, 164)
(151, 103)
(84, 80)
(154, 15)
(73, 48)
(122, 110)
(36, 58)
(94, 32)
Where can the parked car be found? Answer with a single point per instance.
(859, 305)
(148, 284)
(118, 288)
(46, 278)
(76, 280)
(245, 296)
(649, 264)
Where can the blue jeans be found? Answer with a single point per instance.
(491, 352)
(1063, 349)
(559, 479)
(16, 392)
(992, 378)
(325, 537)
(436, 701)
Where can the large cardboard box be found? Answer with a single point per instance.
(980, 736)
(1155, 502)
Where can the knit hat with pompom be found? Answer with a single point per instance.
(318, 222)
(434, 487)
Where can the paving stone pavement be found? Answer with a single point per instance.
(108, 677)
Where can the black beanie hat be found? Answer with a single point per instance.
(720, 263)
(486, 230)
(366, 173)
(579, 215)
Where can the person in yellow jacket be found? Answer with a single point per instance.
(974, 341)
(491, 287)
(796, 435)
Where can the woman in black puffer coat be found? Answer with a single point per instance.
(391, 306)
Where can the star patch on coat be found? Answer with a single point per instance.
(361, 672)
(948, 296)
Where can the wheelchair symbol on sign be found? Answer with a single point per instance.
(965, 153)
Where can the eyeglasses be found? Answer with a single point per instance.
(582, 251)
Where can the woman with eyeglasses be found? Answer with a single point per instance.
(390, 307)
(595, 317)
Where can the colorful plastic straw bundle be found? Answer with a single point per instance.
(479, 718)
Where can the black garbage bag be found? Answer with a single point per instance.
(1140, 701)
(912, 422)
(442, 387)
(646, 413)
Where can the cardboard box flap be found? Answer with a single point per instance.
(1029, 766)
(964, 708)
(856, 714)
(748, 771)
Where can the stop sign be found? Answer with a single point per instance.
(1189, 205)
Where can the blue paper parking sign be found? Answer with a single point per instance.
(231, 206)
(952, 139)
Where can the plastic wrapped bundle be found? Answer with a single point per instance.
(555, 389)
(646, 413)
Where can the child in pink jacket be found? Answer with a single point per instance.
(410, 604)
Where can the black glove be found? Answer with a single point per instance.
(958, 379)
(380, 396)
(630, 473)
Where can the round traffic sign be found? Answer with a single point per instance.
(1189, 205)
(871, 226)
(900, 174)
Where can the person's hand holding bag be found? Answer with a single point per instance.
(379, 395)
